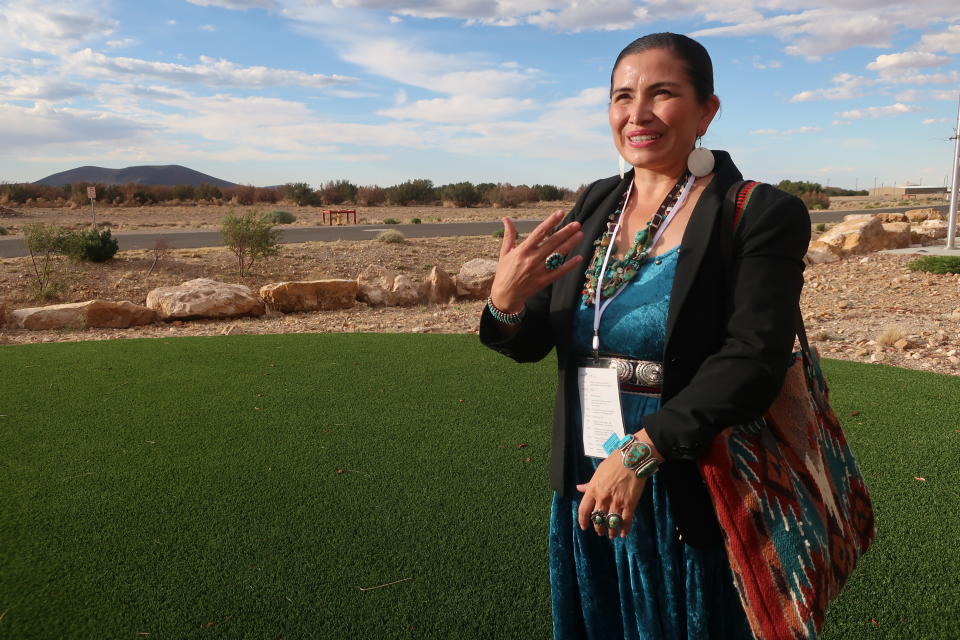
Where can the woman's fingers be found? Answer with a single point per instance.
(509, 237)
(587, 505)
(543, 229)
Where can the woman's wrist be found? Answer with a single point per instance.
(504, 317)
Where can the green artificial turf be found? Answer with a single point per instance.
(248, 486)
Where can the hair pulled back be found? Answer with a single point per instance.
(695, 58)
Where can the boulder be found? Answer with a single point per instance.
(859, 234)
(899, 234)
(919, 215)
(476, 278)
(205, 298)
(440, 287)
(928, 231)
(82, 315)
(818, 253)
(373, 285)
(892, 217)
(310, 295)
(404, 293)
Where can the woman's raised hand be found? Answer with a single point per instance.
(522, 269)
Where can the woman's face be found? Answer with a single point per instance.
(655, 115)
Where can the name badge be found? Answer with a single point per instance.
(600, 405)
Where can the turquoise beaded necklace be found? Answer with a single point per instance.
(620, 272)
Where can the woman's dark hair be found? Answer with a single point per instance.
(695, 59)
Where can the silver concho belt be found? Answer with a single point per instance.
(635, 376)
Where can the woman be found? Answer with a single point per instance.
(643, 275)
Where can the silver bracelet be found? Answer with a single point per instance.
(505, 318)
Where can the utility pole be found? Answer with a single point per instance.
(952, 218)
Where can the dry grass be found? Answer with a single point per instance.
(890, 336)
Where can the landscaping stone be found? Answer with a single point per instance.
(440, 287)
(928, 231)
(919, 215)
(373, 285)
(101, 314)
(858, 234)
(310, 295)
(205, 298)
(404, 293)
(476, 278)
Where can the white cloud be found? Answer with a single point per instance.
(907, 60)
(41, 88)
(171, 22)
(934, 120)
(241, 5)
(910, 76)
(122, 43)
(787, 132)
(770, 64)
(847, 88)
(945, 94)
(606, 15)
(210, 72)
(395, 19)
(878, 112)
(38, 25)
(910, 95)
(458, 109)
(42, 125)
(207, 27)
(948, 40)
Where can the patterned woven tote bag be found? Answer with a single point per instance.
(791, 501)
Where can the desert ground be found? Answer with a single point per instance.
(868, 309)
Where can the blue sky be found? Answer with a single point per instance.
(843, 92)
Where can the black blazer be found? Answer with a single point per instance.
(729, 334)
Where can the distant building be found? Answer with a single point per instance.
(906, 192)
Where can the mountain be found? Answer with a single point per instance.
(170, 174)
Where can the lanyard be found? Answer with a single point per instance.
(598, 308)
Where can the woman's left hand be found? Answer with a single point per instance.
(612, 489)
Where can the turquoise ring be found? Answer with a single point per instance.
(599, 518)
(614, 521)
(553, 261)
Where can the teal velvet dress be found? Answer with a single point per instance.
(650, 585)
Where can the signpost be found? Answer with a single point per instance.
(92, 194)
(952, 218)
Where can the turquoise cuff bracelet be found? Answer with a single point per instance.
(505, 318)
(638, 457)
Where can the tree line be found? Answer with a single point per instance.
(333, 192)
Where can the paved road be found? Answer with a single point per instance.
(11, 247)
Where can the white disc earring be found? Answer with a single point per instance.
(623, 167)
(700, 162)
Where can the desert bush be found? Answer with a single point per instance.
(815, 200)
(890, 336)
(301, 193)
(44, 243)
(338, 192)
(204, 191)
(390, 221)
(418, 191)
(391, 236)
(160, 250)
(415, 220)
(936, 264)
(461, 194)
(279, 217)
(499, 234)
(371, 196)
(143, 197)
(4, 232)
(269, 195)
(250, 237)
(821, 227)
(548, 192)
(509, 196)
(184, 192)
(89, 245)
(244, 195)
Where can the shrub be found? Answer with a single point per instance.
(90, 245)
(301, 193)
(390, 221)
(890, 336)
(4, 232)
(547, 192)
(44, 242)
(509, 196)
(415, 221)
(338, 192)
(461, 194)
(371, 196)
(245, 195)
(204, 191)
(936, 264)
(498, 233)
(411, 192)
(815, 200)
(279, 217)
(821, 227)
(143, 196)
(392, 236)
(250, 237)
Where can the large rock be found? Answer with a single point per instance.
(928, 231)
(859, 234)
(205, 298)
(919, 215)
(82, 315)
(476, 278)
(404, 293)
(891, 217)
(310, 295)
(898, 233)
(819, 253)
(440, 287)
(373, 285)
